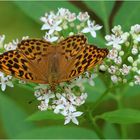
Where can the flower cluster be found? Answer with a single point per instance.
(64, 23)
(123, 60)
(61, 103)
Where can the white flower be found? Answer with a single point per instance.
(117, 30)
(113, 53)
(45, 18)
(81, 99)
(12, 45)
(83, 16)
(112, 69)
(47, 96)
(2, 38)
(134, 51)
(71, 17)
(125, 36)
(125, 69)
(137, 79)
(73, 116)
(92, 28)
(114, 41)
(5, 80)
(135, 29)
(114, 78)
(49, 38)
(52, 26)
(62, 12)
(102, 67)
(118, 60)
(43, 106)
(59, 103)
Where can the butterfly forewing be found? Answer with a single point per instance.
(28, 61)
(70, 46)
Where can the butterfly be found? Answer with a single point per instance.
(39, 61)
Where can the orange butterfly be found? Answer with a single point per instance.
(39, 61)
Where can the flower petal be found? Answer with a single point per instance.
(67, 120)
(58, 28)
(45, 27)
(3, 86)
(93, 33)
(74, 120)
(86, 30)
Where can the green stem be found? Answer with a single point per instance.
(107, 31)
(94, 125)
(98, 101)
(122, 126)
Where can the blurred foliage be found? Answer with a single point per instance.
(22, 19)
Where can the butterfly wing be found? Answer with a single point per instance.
(26, 61)
(87, 58)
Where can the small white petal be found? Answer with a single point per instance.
(51, 31)
(53, 39)
(74, 120)
(97, 27)
(58, 22)
(77, 114)
(85, 30)
(45, 27)
(10, 84)
(58, 28)
(93, 33)
(3, 86)
(67, 120)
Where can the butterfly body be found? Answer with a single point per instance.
(39, 61)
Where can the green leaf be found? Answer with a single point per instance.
(122, 116)
(102, 9)
(128, 14)
(132, 91)
(13, 117)
(59, 132)
(44, 115)
(15, 24)
(36, 9)
(110, 131)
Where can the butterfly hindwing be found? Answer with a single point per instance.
(13, 63)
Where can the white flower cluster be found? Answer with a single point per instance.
(63, 23)
(123, 60)
(61, 103)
